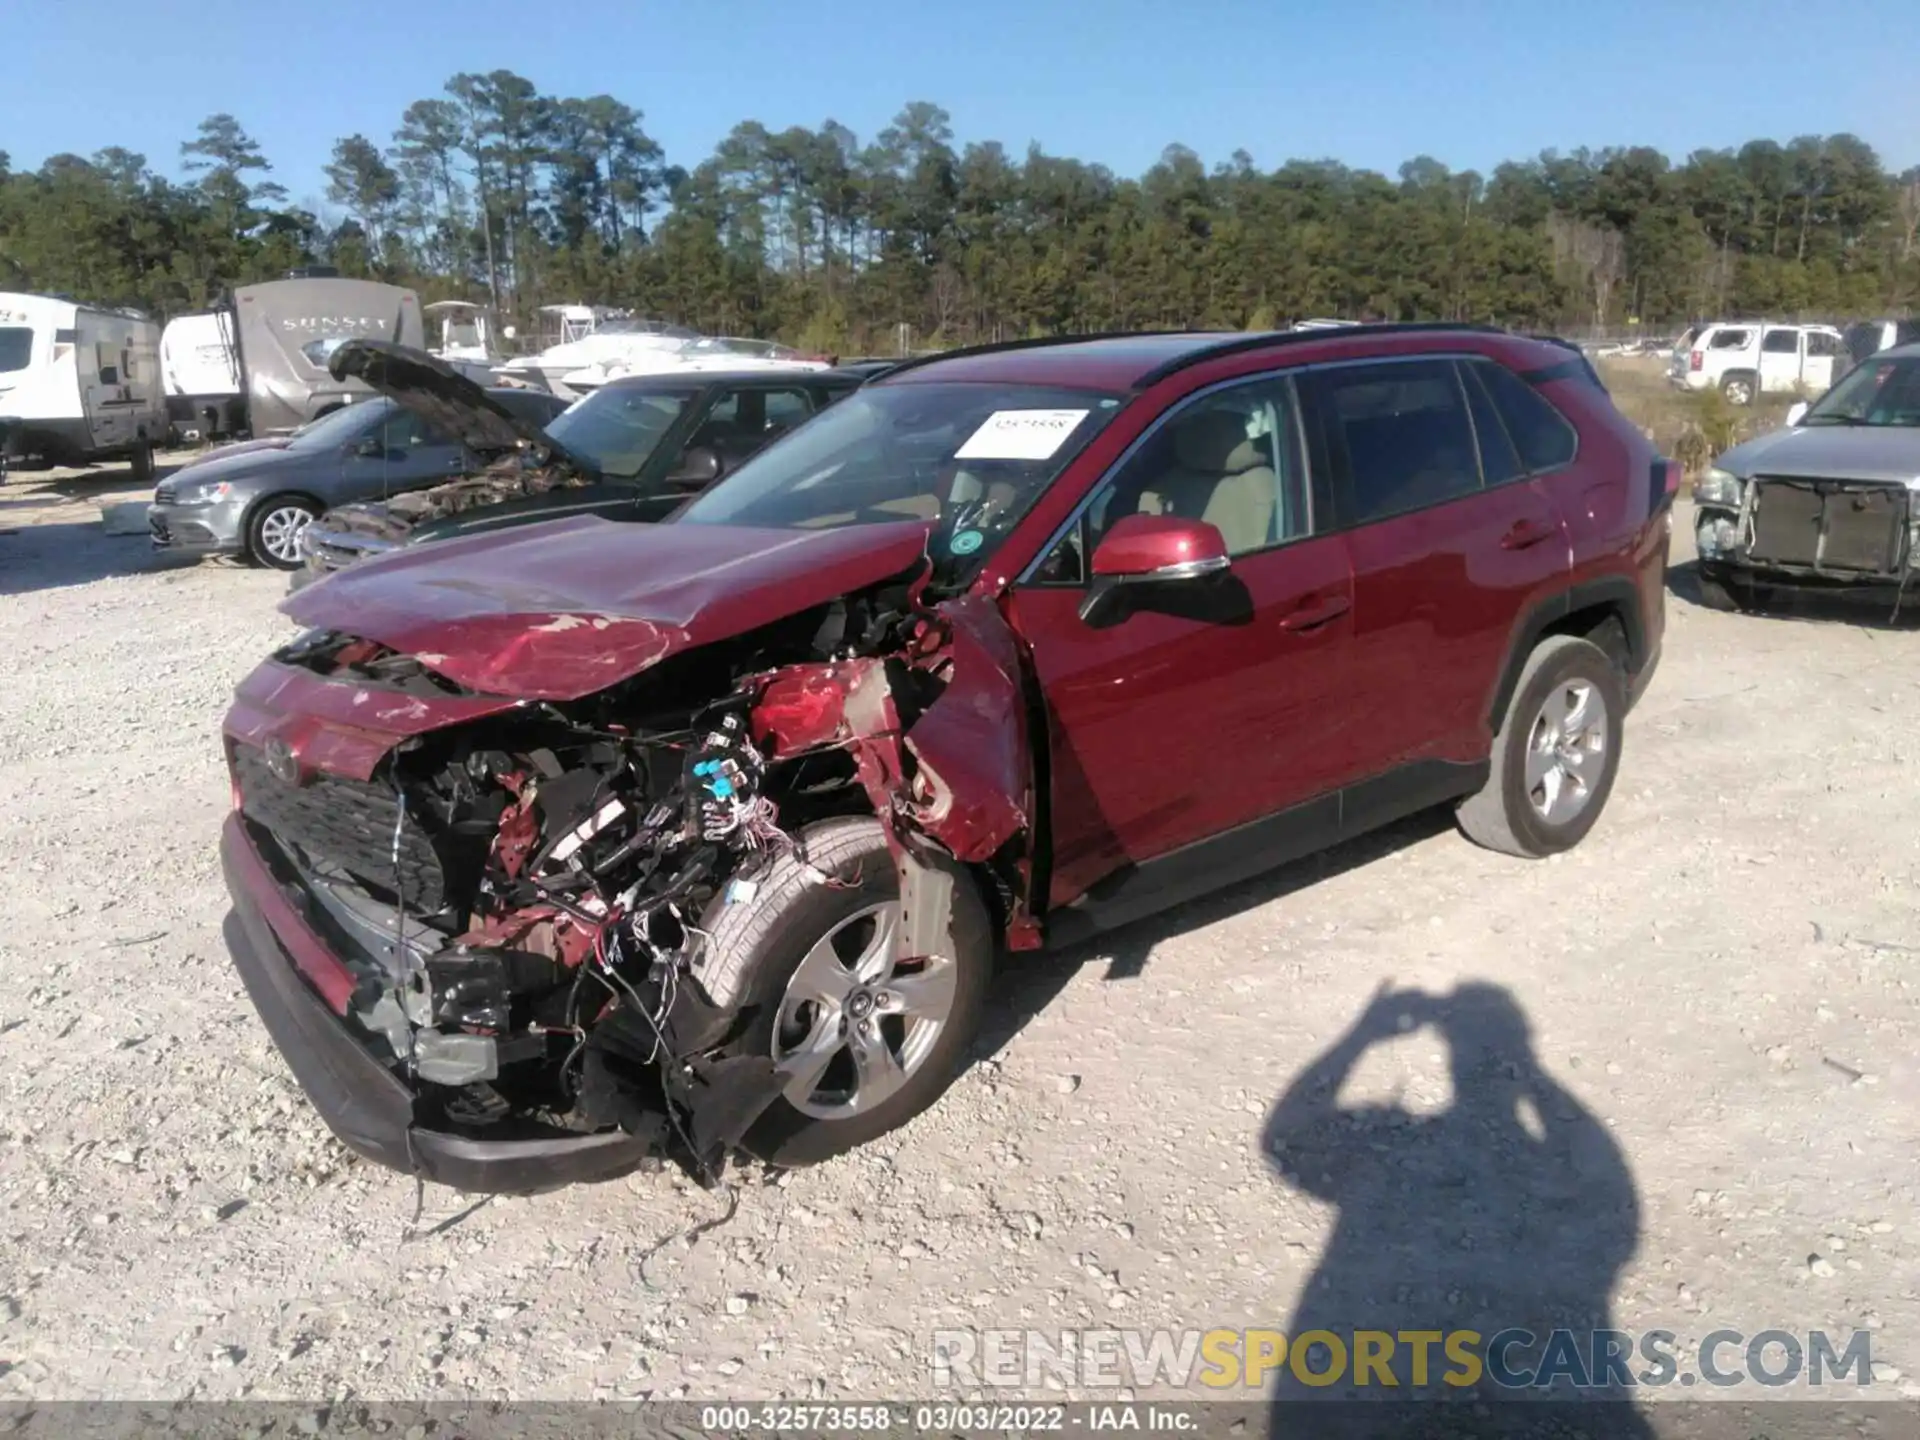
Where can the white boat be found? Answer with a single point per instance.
(708, 352)
(464, 338)
(583, 337)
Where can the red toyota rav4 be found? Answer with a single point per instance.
(563, 847)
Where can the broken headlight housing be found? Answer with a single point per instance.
(1718, 488)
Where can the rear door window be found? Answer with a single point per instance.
(16, 348)
(1781, 341)
(1404, 431)
(1544, 438)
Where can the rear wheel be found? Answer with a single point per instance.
(1556, 754)
(273, 534)
(1738, 389)
(868, 1044)
(141, 463)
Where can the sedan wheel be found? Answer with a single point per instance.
(274, 536)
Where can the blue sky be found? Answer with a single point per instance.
(1369, 82)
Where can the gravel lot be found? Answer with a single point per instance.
(1720, 980)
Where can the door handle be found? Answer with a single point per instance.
(1525, 533)
(1315, 611)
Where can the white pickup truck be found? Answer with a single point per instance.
(1744, 359)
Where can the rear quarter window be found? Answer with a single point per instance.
(1544, 437)
(1730, 340)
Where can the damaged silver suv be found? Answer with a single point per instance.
(1826, 504)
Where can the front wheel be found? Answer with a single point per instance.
(1556, 754)
(273, 534)
(867, 1042)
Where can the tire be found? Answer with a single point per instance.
(755, 954)
(1505, 814)
(1738, 389)
(273, 534)
(141, 463)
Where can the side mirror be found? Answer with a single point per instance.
(1797, 412)
(698, 468)
(1153, 550)
(370, 448)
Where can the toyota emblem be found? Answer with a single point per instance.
(280, 762)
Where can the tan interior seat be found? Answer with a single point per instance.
(1221, 477)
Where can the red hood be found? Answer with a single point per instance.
(560, 610)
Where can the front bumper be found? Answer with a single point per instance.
(326, 550)
(301, 990)
(198, 529)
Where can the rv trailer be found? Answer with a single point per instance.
(286, 329)
(79, 383)
(200, 369)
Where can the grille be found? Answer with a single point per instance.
(346, 822)
(1846, 527)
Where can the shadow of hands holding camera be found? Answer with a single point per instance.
(1510, 1209)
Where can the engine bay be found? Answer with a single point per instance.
(526, 899)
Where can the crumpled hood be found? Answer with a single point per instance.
(1838, 452)
(560, 610)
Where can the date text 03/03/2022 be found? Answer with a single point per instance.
(948, 1417)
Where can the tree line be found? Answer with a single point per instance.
(493, 191)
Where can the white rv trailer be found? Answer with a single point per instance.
(200, 370)
(79, 383)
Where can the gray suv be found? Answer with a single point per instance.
(1828, 503)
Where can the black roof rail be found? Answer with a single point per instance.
(1263, 339)
(1000, 346)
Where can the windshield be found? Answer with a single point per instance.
(970, 457)
(1880, 392)
(616, 430)
(338, 426)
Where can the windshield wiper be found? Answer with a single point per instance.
(1807, 420)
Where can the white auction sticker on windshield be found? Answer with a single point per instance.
(1020, 435)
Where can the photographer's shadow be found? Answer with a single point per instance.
(1511, 1209)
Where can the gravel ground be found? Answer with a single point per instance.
(1719, 981)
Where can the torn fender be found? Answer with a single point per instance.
(971, 746)
(961, 773)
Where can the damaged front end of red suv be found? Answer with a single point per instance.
(482, 837)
